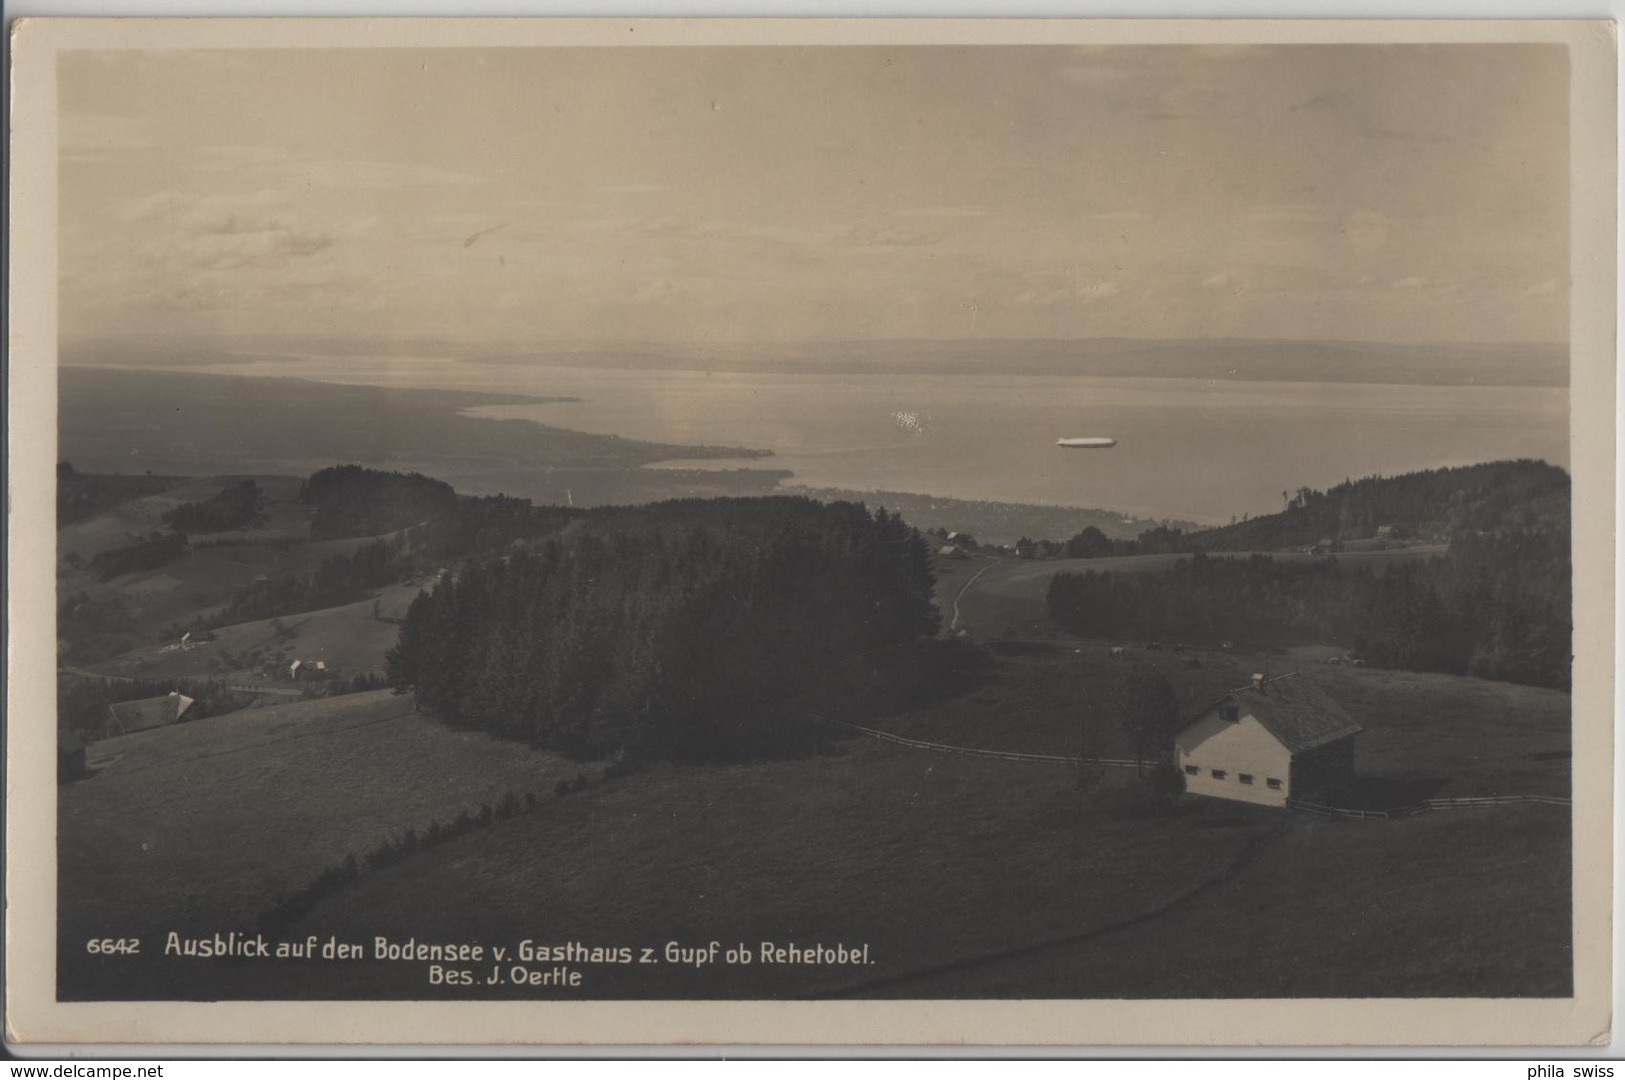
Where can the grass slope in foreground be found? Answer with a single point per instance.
(966, 877)
(972, 878)
(203, 826)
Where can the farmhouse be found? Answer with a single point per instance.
(1274, 740)
(124, 717)
(307, 669)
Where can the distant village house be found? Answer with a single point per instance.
(307, 669)
(124, 717)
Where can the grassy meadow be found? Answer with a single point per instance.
(352, 639)
(206, 824)
(966, 877)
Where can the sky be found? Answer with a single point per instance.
(691, 195)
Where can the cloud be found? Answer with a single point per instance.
(218, 158)
(1323, 100)
(1409, 283)
(385, 175)
(242, 246)
(1216, 281)
(945, 212)
(216, 233)
(278, 165)
(1096, 74)
(1067, 295)
(884, 236)
(643, 226)
(1424, 138)
(1288, 214)
(658, 291)
(1549, 287)
(99, 136)
(630, 189)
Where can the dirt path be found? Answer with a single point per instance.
(991, 563)
(1256, 847)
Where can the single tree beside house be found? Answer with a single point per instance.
(1149, 713)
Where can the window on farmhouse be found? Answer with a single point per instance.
(1191, 770)
(1273, 783)
(1218, 774)
(1245, 778)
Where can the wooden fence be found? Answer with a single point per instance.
(1427, 806)
(997, 755)
(1318, 809)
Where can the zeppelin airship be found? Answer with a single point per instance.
(1087, 444)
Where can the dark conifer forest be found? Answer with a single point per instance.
(240, 505)
(353, 501)
(1497, 604)
(682, 630)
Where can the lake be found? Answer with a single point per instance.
(1201, 449)
(1186, 448)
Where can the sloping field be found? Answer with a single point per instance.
(1470, 736)
(964, 876)
(122, 524)
(205, 825)
(923, 858)
(1425, 734)
(285, 517)
(1466, 903)
(143, 606)
(352, 638)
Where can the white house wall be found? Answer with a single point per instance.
(1234, 748)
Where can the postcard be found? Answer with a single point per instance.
(811, 533)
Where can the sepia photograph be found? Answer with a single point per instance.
(894, 515)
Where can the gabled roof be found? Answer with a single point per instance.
(1292, 709)
(149, 712)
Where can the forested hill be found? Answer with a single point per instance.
(1437, 504)
(1497, 604)
(684, 629)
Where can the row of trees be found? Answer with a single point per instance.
(84, 495)
(340, 579)
(484, 523)
(1496, 606)
(685, 629)
(237, 506)
(1091, 543)
(148, 553)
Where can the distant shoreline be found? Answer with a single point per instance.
(1447, 364)
(466, 399)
